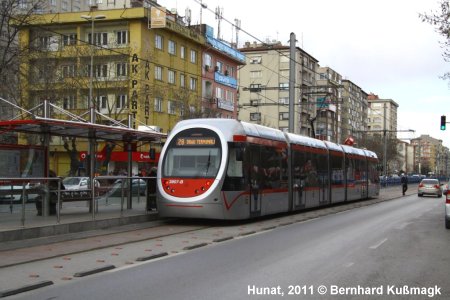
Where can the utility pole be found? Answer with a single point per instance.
(292, 84)
(385, 144)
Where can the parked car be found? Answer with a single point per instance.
(138, 186)
(429, 187)
(78, 183)
(447, 211)
(14, 193)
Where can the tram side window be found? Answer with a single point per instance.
(337, 170)
(234, 165)
(271, 167)
(360, 170)
(305, 169)
(322, 168)
(350, 167)
(234, 179)
(373, 173)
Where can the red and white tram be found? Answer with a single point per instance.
(227, 169)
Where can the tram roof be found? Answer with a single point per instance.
(59, 127)
(305, 141)
(334, 147)
(351, 150)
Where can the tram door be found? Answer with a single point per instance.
(254, 167)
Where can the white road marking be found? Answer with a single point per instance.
(378, 244)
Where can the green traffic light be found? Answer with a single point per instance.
(443, 122)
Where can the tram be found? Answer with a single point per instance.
(233, 170)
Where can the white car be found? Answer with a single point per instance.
(78, 183)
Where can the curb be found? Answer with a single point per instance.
(25, 288)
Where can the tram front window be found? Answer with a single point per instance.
(192, 162)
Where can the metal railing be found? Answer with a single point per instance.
(114, 193)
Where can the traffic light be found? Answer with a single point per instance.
(443, 121)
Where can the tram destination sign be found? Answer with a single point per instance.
(196, 141)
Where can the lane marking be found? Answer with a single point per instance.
(378, 245)
(402, 226)
(349, 265)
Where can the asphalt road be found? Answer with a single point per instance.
(389, 250)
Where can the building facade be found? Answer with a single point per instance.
(430, 156)
(353, 112)
(264, 87)
(328, 101)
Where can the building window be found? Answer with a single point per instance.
(70, 102)
(100, 38)
(193, 84)
(121, 69)
(103, 103)
(101, 70)
(70, 39)
(172, 47)
(283, 116)
(171, 76)
(284, 86)
(230, 71)
(229, 95)
(181, 104)
(171, 108)
(255, 116)
(284, 100)
(183, 52)
(159, 42)
(219, 93)
(158, 73)
(193, 56)
(158, 104)
(255, 59)
(122, 37)
(182, 80)
(208, 60)
(255, 74)
(121, 101)
(68, 71)
(219, 66)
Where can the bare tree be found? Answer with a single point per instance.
(13, 16)
(440, 19)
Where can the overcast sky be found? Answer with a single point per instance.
(382, 46)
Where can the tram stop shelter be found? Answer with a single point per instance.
(73, 126)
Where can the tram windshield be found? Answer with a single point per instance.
(193, 154)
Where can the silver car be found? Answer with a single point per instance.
(429, 187)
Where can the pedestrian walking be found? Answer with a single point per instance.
(404, 181)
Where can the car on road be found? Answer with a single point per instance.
(445, 188)
(447, 211)
(429, 186)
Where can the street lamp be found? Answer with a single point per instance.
(91, 69)
(92, 107)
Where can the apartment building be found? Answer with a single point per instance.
(353, 112)
(382, 114)
(219, 76)
(264, 87)
(430, 156)
(328, 103)
(154, 74)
